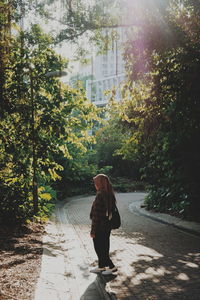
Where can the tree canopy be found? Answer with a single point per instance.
(44, 124)
(160, 107)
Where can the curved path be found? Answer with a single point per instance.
(155, 261)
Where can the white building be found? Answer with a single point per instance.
(108, 72)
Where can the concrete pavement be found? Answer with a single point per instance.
(186, 226)
(155, 261)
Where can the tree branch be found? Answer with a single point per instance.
(93, 26)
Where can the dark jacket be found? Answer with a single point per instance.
(98, 215)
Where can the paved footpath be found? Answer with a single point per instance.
(155, 260)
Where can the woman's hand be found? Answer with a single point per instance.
(92, 235)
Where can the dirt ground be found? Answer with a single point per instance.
(20, 260)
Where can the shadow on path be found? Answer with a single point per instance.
(97, 289)
(166, 270)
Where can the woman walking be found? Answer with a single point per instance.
(101, 214)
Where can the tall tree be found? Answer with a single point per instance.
(43, 120)
(5, 39)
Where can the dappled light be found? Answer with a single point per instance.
(127, 107)
(147, 268)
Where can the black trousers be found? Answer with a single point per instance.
(102, 247)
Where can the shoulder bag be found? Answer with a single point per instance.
(115, 221)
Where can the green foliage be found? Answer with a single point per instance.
(5, 39)
(47, 197)
(43, 123)
(80, 80)
(124, 185)
(160, 111)
(110, 139)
